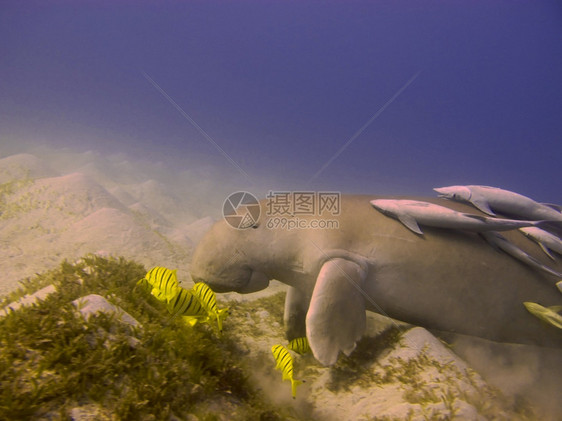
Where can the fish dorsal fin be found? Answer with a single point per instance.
(481, 203)
(410, 222)
(478, 217)
(492, 238)
(553, 206)
(546, 250)
(556, 309)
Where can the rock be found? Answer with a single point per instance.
(90, 412)
(263, 314)
(417, 341)
(46, 219)
(196, 230)
(94, 303)
(465, 411)
(23, 166)
(420, 378)
(29, 299)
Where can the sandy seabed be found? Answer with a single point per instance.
(57, 205)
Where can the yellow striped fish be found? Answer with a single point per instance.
(285, 365)
(299, 345)
(164, 282)
(546, 314)
(209, 302)
(184, 303)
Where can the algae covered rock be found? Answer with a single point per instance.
(29, 299)
(94, 303)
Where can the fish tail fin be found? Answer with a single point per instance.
(221, 316)
(294, 384)
(546, 224)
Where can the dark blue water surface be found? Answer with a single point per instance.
(457, 92)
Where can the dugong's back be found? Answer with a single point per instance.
(446, 279)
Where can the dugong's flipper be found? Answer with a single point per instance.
(336, 316)
(296, 306)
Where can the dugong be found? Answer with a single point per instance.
(447, 280)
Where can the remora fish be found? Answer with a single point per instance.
(164, 282)
(208, 300)
(547, 241)
(548, 314)
(413, 212)
(500, 242)
(285, 365)
(493, 199)
(299, 345)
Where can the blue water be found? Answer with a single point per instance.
(362, 96)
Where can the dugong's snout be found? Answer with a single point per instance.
(226, 261)
(249, 282)
(243, 280)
